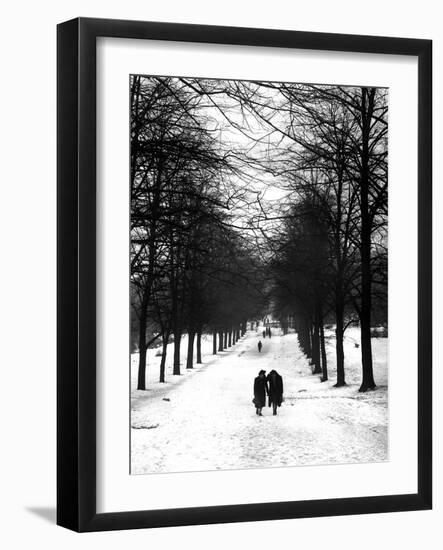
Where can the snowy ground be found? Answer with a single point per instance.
(205, 419)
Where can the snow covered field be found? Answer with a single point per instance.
(205, 419)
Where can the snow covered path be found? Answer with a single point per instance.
(206, 420)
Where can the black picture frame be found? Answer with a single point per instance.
(76, 265)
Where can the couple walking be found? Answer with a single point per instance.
(271, 386)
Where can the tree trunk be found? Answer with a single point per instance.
(324, 361)
(339, 332)
(365, 245)
(141, 382)
(309, 341)
(190, 356)
(177, 342)
(229, 339)
(220, 341)
(225, 340)
(214, 342)
(199, 347)
(316, 348)
(165, 340)
(368, 382)
(303, 336)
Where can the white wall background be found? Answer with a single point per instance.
(27, 273)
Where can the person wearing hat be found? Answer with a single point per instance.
(275, 390)
(260, 392)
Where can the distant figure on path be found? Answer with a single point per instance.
(275, 390)
(259, 345)
(260, 392)
(264, 334)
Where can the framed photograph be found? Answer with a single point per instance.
(244, 274)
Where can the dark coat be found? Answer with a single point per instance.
(260, 391)
(275, 384)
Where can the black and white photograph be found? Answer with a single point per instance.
(258, 274)
(222, 257)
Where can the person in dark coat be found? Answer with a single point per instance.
(264, 334)
(275, 390)
(260, 392)
(259, 345)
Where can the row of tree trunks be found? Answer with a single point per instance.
(193, 336)
(304, 337)
(189, 364)
(318, 348)
(190, 355)
(311, 337)
(312, 342)
(226, 339)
